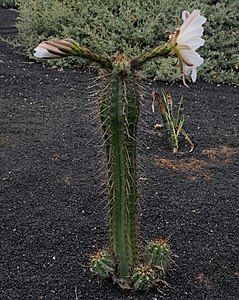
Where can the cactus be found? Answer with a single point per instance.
(157, 260)
(119, 105)
(143, 277)
(119, 108)
(158, 256)
(102, 264)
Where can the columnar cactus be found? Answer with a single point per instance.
(119, 108)
(119, 103)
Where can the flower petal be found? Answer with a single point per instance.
(186, 40)
(185, 15)
(190, 56)
(186, 70)
(190, 33)
(194, 20)
(194, 43)
(194, 74)
(195, 60)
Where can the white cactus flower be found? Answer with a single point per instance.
(186, 40)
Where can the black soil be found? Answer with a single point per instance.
(53, 211)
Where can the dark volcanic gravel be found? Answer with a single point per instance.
(53, 214)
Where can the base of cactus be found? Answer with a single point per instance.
(149, 273)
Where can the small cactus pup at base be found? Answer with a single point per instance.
(102, 264)
(119, 106)
(172, 125)
(143, 277)
(158, 256)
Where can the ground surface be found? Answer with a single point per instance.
(53, 214)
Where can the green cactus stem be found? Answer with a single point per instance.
(91, 55)
(119, 109)
(162, 50)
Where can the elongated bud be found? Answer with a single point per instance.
(56, 48)
(68, 47)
